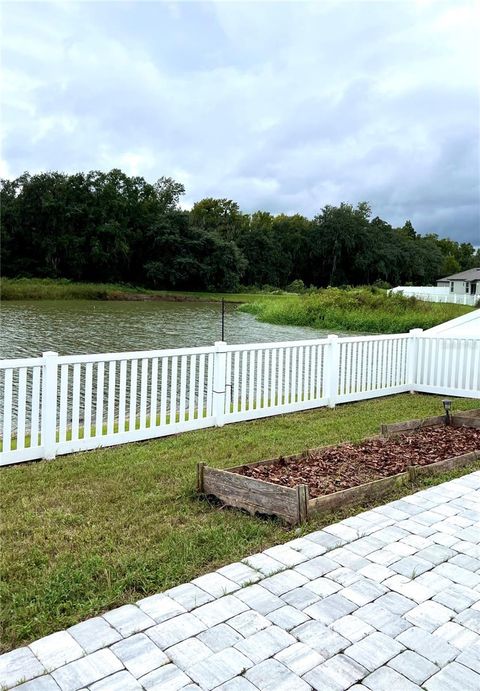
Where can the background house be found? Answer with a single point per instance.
(463, 283)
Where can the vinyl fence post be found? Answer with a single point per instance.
(333, 366)
(219, 381)
(412, 358)
(49, 405)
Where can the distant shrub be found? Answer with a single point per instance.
(297, 286)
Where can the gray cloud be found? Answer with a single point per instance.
(285, 106)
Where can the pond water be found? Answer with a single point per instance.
(82, 326)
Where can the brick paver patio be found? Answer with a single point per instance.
(387, 600)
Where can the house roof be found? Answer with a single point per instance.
(469, 275)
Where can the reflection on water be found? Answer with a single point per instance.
(79, 326)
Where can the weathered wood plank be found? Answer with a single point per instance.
(465, 421)
(399, 427)
(415, 471)
(356, 495)
(255, 496)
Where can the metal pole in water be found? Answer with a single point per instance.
(223, 319)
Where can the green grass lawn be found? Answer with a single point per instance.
(91, 531)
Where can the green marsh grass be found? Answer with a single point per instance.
(360, 309)
(63, 289)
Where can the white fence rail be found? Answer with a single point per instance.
(60, 404)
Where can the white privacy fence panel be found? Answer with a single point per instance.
(55, 405)
(448, 366)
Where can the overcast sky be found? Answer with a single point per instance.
(281, 106)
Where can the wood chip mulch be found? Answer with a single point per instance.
(348, 465)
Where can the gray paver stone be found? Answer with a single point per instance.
(173, 631)
(469, 618)
(436, 554)
(188, 653)
(388, 678)
(365, 545)
(316, 567)
(382, 619)
(396, 603)
(265, 643)
(19, 665)
(166, 678)
(237, 684)
(307, 547)
(323, 587)
(352, 627)
(429, 615)
(452, 677)
(363, 591)
(286, 555)
(121, 681)
(458, 575)
(426, 644)
(374, 650)
(220, 637)
(413, 666)
(471, 657)
(271, 675)
(411, 567)
(457, 597)
(45, 683)
(376, 572)
(466, 562)
(330, 609)
(323, 640)
(287, 617)
(160, 607)
(259, 599)
(327, 540)
(240, 573)
(215, 584)
(249, 622)
(128, 619)
(139, 654)
(299, 658)
(87, 670)
(301, 597)
(56, 650)
(344, 576)
(189, 596)
(345, 557)
(264, 564)
(94, 634)
(220, 610)
(411, 589)
(284, 581)
(457, 635)
(219, 668)
(336, 674)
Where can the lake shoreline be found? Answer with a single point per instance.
(58, 289)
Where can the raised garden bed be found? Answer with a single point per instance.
(324, 479)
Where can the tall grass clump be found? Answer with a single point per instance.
(368, 310)
(59, 289)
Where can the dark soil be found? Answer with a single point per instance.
(348, 465)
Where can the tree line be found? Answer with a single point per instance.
(115, 228)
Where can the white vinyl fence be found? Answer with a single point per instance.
(434, 294)
(61, 404)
